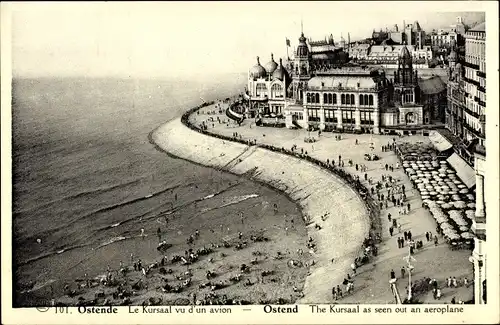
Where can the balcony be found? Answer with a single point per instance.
(474, 82)
(477, 133)
(468, 111)
(471, 65)
(481, 74)
(479, 101)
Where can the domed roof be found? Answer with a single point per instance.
(302, 38)
(271, 65)
(281, 72)
(258, 71)
(302, 49)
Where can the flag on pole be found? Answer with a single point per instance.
(288, 42)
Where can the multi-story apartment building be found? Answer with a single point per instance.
(465, 118)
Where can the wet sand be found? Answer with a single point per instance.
(315, 190)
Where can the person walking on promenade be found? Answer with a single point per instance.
(409, 235)
(435, 240)
(399, 242)
(399, 227)
(334, 293)
(427, 235)
(339, 291)
(403, 271)
(405, 235)
(393, 274)
(391, 230)
(353, 267)
(158, 233)
(408, 206)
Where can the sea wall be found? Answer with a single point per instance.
(314, 188)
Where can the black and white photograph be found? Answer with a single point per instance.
(274, 155)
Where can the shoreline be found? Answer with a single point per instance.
(357, 223)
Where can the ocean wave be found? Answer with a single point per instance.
(57, 251)
(113, 240)
(80, 194)
(39, 285)
(234, 200)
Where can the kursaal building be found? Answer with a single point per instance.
(320, 89)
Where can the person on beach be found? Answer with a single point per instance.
(142, 233)
(339, 291)
(403, 271)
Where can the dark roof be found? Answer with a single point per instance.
(433, 85)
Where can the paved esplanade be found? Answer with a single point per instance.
(371, 281)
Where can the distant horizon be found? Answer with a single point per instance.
(193, 40)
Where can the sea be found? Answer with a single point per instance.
(86, 179)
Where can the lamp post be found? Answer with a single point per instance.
(409, 267)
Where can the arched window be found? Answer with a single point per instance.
(334, 99)
(370, 100)
(325, 98)
(261, 89)
(342, 99)
(361, 101)
(308, 99)
(352, 99)
(348, 99)
(276, 91)
(330, 99)
(317, 97)
(365, 98)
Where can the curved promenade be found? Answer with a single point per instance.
(315, 189)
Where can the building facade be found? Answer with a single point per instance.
(466, 119)
(320, 90)
(475, 82)
(266, 88)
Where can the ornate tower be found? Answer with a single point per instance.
(405, 79)
(301, 69)
(406, 90)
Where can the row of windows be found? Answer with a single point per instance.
(345, 99)
(276, 90)
(366, 117)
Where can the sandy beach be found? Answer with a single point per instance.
(313, 188)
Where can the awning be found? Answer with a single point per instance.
(439, 141)
(464, 171)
